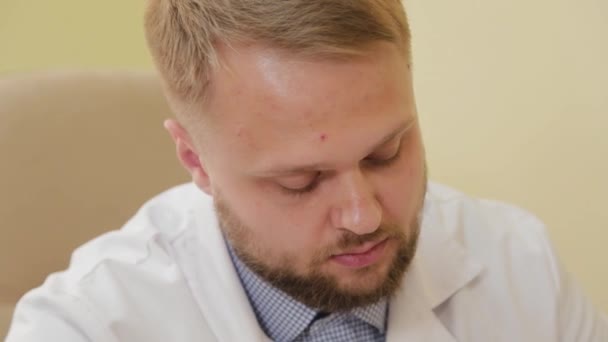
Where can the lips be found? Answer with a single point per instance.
(362, 256)
(364, 248)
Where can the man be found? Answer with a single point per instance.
(309, 217)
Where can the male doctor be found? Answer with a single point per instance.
(310, 217)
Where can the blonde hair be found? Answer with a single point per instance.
(183, 34)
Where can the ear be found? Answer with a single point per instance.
(189, 157)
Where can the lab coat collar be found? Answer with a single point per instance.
(213, 280)
(441, 267)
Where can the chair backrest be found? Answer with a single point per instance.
(80, 152)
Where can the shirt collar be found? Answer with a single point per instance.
(374, 314)
(282, 317)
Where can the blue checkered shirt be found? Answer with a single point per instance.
(284, 319)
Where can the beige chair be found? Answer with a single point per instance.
(80, 152)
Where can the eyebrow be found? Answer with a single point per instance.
(294, 170)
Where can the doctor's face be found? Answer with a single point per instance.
(317, 170)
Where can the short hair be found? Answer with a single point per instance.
(182, 35)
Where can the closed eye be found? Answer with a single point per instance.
(301, 190)
(379, 161)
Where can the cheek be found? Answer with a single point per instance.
(401, 191)
(278, 225)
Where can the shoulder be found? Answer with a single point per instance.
(113, 277)
(482, 225)
(511, 245)
(146, 237)
(521, 283)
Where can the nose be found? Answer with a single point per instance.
(357, 208)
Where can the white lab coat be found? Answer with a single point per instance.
(484, 271)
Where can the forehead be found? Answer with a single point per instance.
(263, 101)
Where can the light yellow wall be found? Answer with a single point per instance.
(513, 97)
(39, 34)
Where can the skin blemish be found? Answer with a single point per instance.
(323, 137)
(244, 136)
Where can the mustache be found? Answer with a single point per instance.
(350, 240)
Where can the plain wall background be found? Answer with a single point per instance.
(513, 98)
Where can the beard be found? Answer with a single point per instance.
(316, 289)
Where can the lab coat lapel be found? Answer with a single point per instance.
(411, 316)
(441, 267)
(215, 283)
